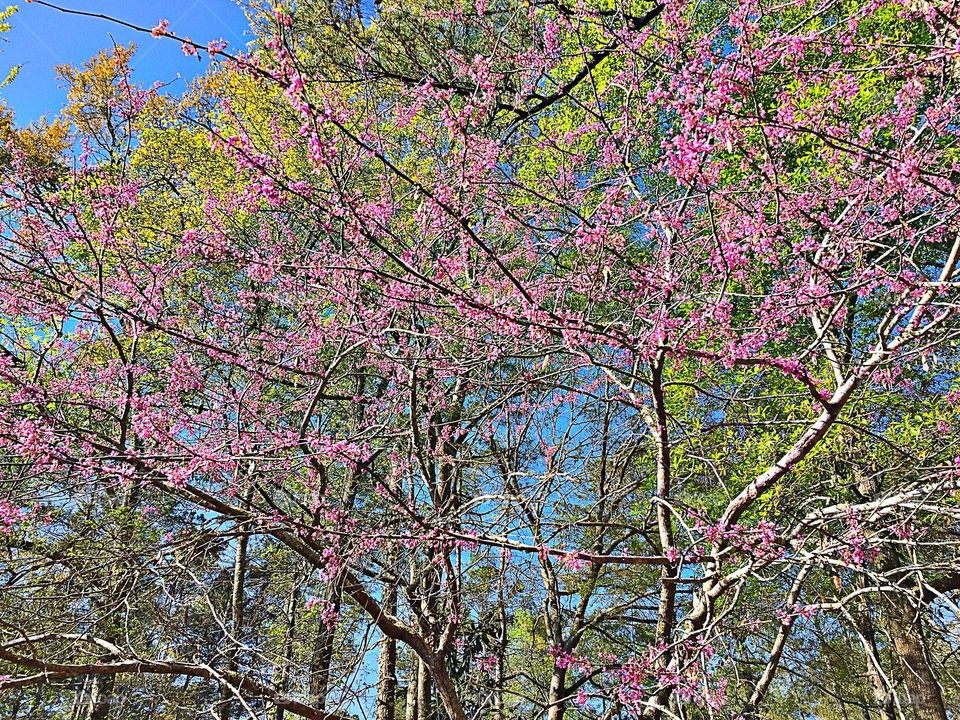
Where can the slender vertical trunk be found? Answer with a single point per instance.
(903, 623)
(666, 609)
(413, 683)
(837, 693)
(424, 692)
(387, 664)
(236, 621)
(101, 694)
(117, 584)
(417, 669)
(882, 692)
(557, 694)
(290, 615)
(553, 618)
(76, 709)
(322, 658)
(499, 709)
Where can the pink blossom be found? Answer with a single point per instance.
(10, 516)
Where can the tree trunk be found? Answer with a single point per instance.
(556, 697)
(882, 692)
(290, 611)
(323, 658)
(118, 582)
(902, 622)
(446, 691)
(387, 664)
(76, 709)
(424, 692)
(499, 708)
(101, 693)
(413, 683)
(236, 621)
(667, 607)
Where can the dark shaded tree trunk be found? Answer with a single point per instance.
(322, 658)
(290, 613)
(387, 665)
(903, 624)
(882, 692)
(236, 620)
(413, 683)
(424, 692)
(101, 695)
(102, 687)
(499, 709)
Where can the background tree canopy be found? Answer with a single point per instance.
(498, 360)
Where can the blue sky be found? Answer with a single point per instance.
(41, 38)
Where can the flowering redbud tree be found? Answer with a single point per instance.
(464, 359)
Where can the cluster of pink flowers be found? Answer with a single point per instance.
(160, 29)
(859, 551)
(569, 660)
(488, 664)
(329, 614)
(572, 561)
(10, 516)
(760, 541)
(797, 611)
(639, 678)
(215, 47)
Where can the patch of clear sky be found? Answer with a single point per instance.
(41, 38)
